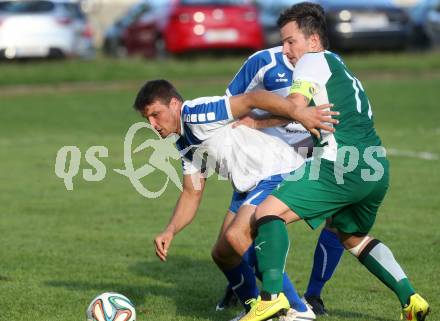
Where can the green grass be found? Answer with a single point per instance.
(61, 248)
(106, 69)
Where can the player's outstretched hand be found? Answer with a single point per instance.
(162, 243)
(315, 118)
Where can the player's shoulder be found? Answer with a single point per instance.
(204, 110)
(265, 56)
(322, 59)
(193, 103)
(313, 66)
(311, 58)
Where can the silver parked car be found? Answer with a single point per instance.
(44, 28)
(433, 24)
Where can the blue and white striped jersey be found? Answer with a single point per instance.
(270, 70)
(208, 141)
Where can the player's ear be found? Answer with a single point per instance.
(175, 103)
(315, 41)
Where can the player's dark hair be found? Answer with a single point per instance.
(310, 18)
(155, 90)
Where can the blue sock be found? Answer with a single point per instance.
(328, 252)
(242, 281)
(291, 294)
(288, 288)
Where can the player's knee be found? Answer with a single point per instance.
(355, 245)
(217, 255)
(328, 223)
(231, 236)
(214, 254)
(260, 212)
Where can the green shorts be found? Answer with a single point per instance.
(352, 205)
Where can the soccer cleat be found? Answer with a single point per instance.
(315, 302)
(262, 310)
(293, 315)
(416, 310)
(228, 300)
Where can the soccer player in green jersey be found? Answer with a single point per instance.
(346, 181)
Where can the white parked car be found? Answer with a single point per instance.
(44, 28)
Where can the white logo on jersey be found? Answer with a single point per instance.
(281, 77)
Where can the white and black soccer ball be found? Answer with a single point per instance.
(110, 306)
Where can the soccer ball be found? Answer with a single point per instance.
(111, 306)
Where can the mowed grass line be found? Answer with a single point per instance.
(115, 70)
(61, 248)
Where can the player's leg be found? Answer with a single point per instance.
(235, 235)
(302, 310)
(271, 245)
(254, 199)
(239, 274)
(295, 199)
(380, 261)
(229, 299)
(237, 271)
(354, 225)
(328, 253)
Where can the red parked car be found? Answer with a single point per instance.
(179, 26)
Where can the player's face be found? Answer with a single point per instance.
(295, 42)
(162, 117)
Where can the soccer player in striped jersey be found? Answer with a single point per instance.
(347, 189)
(271, 70)
(254, 162)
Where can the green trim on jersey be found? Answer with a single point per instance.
(345, 91)
(334, 83)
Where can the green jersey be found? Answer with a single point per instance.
(324, 78)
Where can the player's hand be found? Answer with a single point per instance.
(162, 243)
(320, 117)
(247, 120)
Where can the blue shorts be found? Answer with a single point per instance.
(257, 195)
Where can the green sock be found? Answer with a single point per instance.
(271, 247)
(379, 260)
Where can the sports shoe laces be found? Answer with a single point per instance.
(251, 302)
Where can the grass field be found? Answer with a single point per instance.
(60, 248)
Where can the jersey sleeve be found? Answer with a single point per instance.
(311, 75)
(251, 74)
(202, 116)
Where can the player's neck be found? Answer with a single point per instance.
(179, 124)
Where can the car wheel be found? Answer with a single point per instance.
(120, 51)
(160, 48)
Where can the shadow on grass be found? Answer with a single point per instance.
(342, 314)
(193, 285)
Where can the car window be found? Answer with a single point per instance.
(213, 2)
(73, 10)
(26, 6)
(367, 3)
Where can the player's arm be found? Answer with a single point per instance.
(252, 121)
(311, 118)
(301, 93)
(184, 212)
